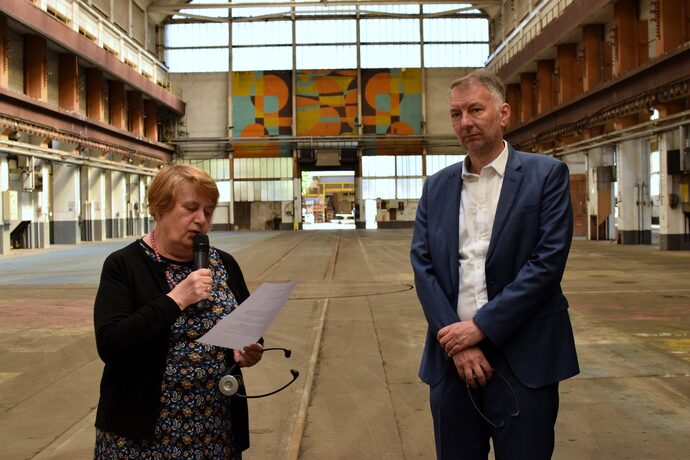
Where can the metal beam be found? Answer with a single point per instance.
(189, 18)
(54, 123)
(163, 7)
(657, 81)
(641, 131)
(21, 149)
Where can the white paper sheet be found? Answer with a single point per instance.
(250, 319)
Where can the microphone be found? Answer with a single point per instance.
(200, 257)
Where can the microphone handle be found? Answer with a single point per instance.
(201, 261)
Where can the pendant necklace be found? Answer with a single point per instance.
(158, 259)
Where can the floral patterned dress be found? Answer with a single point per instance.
(194, 420)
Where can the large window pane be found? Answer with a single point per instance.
(378, 188)
(409, 188)
(654, 162)
(254, 168)
(460, 55)
(240, 191)
(327, 57)
(378, 166)
(262, 33)
(409, 165)
(262, 58)
(263, 190)
(217, 168)
(197, 60)
(224, 190)
(332, 31)
(457, 30)
(382, 56)
(191, 35)
(435, 163)
(389, 30)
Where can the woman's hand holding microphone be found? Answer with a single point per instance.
(197, 286)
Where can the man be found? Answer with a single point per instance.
(490, 244)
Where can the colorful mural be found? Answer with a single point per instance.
(261, 107)
(326, 102)
(392, 104)
(326, 105)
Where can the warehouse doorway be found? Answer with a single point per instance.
(328, 200)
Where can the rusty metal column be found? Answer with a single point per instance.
(669, 23)
(592, 41)
(116, 104)
(68, 82)
(527, 86)
(4, 57)
(513, 100)
(545, 81)
(568, 73)
(94, 94)
(151, 119)
(626, 23)
(35, 73)
(136, 112)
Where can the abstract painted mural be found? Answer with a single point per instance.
(261, 107)
(326, 105)
(326, 102)
(392, 105)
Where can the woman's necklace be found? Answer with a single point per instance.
(170, 279)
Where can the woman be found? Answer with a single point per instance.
(159, 390)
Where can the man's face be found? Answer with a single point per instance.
(478, 119)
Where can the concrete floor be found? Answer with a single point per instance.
(355, 328)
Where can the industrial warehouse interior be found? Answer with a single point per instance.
(320, 122)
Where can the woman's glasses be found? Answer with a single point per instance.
(230, 384)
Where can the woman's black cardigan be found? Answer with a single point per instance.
(132, 319)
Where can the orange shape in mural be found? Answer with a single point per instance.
(380, 84)
(278, 89)
(400, 128)
(245, 149)
(253, 130)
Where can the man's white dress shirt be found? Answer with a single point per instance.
(478, 202)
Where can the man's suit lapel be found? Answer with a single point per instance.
(509, 190)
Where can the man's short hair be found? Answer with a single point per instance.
(486, 79)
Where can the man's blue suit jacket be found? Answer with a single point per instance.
(526, 315)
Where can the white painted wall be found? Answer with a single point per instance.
(438, 118)
(206, 96)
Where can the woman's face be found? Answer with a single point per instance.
(191, 214)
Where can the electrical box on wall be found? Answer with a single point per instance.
(10, 205)
(685, 193)
(673, 166)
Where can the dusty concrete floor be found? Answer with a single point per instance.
(355, 328)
